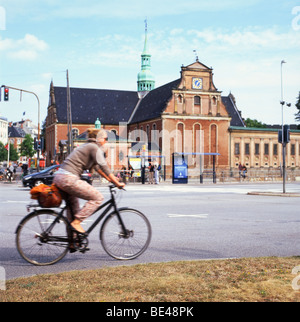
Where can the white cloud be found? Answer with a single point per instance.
(27, 48)
(248, 39)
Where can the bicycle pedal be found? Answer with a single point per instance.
(84, 250)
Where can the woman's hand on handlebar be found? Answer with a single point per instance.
(121, 185)
(116, 182)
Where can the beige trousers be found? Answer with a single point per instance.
(76, 188)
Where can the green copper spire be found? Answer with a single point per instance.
(97, 124)
(146, 80)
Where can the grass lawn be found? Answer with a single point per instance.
(267, 279)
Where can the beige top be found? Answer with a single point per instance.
(88, 156)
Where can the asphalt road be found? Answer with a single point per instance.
(189, 222)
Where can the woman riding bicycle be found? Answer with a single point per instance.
(88, 156)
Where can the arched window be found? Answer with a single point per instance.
(180, 137)
(213, 139)
(148, 132)
(197, 139)
(197, 100)
(154, 133)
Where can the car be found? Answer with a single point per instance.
(46, 176)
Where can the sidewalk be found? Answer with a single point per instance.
(196, 183)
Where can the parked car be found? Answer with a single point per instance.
(46, 176)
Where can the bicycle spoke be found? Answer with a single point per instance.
(131, 243)
(39, 246)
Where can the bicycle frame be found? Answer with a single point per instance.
(111, 203)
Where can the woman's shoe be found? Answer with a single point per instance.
(72, 249)
(74, 230)
(76, 226)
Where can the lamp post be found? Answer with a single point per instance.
(22, 90)
(283, 144)
(283, 138)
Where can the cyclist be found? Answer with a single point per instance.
(88, 156)
(10, 172)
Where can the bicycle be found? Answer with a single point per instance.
(45, 236)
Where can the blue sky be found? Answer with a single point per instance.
(100, 43)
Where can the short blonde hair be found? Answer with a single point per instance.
(101, 134)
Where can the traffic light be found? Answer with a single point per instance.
(38, 144)
(6, 94)
(286, 134)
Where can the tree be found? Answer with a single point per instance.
(3, 152)
(27, 147)
(298, 108)
(13, 154)
(255, 123)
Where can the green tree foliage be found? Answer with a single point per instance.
(27, 147)
(13, 154)
(3, 152)
(298, 108)
(255, 123)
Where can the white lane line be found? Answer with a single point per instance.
(14, 201)
(204, 216)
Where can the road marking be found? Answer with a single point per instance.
(191, 216)
(13, 201)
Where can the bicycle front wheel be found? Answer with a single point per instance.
(131, 243)
(39, 243)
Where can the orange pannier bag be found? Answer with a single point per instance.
(47, 196)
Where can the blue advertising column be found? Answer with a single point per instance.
(180, 169)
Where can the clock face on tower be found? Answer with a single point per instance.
(197, 83)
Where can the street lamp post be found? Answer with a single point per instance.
(22, 90)
(284, 139)
(283, 144)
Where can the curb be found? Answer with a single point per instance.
(274, 194)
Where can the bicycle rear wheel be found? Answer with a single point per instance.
(133, 242)
(36, 244)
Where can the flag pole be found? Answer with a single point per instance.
(8, 154)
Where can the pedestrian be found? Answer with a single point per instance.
(156, 172)
(130, 171)
(124, 174)
(42, 164)
(151, 173)
(24, 168)
(10, 172)
(244, 169)
(240, 167)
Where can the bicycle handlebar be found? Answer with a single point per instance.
(113, 186)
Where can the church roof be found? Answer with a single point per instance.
(16, 132)
(236, 118)
(110, 106)
(154, 103)
(115, 106)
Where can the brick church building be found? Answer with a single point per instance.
(187, 115)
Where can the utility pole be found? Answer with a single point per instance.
(69, 117)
